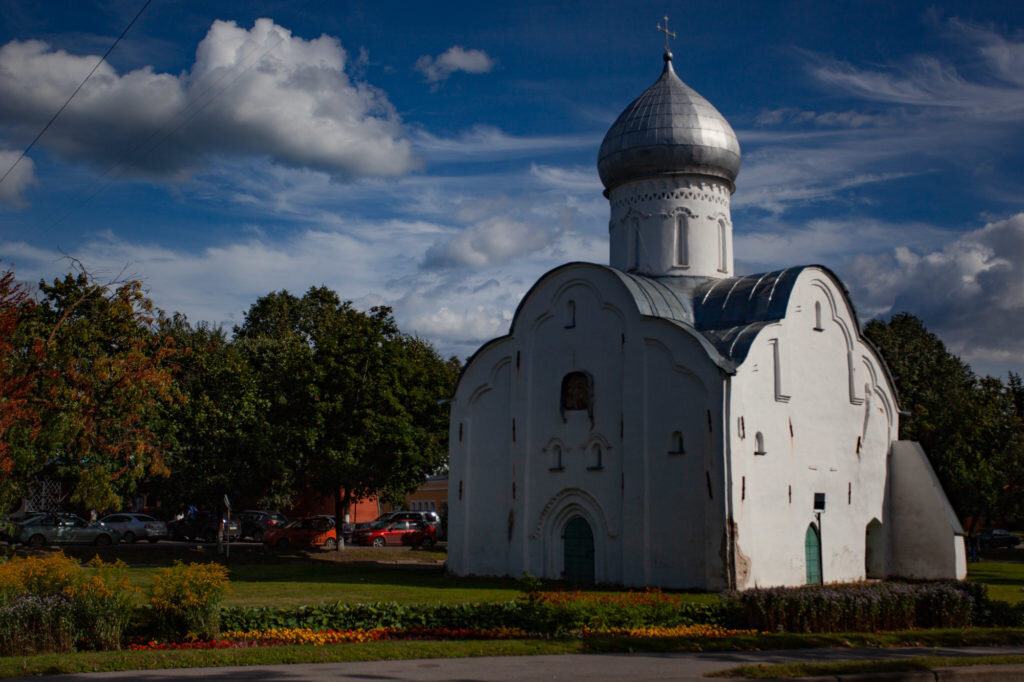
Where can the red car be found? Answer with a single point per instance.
(314, 531)
(404, 532)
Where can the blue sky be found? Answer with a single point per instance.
(439, 157)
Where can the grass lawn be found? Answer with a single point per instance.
(353, 576)
(915, 664)
(16, 666)
(1005, 578)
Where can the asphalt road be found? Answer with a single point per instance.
(632, 667)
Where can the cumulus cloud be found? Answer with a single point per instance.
(491, 241)
(18, 180)
(968, 291)
(261, 92)
(455, 58)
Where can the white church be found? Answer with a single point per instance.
(660, 421)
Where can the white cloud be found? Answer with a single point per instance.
(484, 143)
(492, 241)
(968, 291)
(18, 180)
(260, 92)
(455, 58)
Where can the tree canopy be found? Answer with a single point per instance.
(970, 427)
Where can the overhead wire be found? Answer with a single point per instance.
(72, 96)
(163, 131)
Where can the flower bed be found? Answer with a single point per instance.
(292, 636)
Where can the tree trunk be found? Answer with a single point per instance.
(341, 503)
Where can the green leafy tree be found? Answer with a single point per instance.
(969, 427)
(360, 406)
(218, 425)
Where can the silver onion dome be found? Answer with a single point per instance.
(668, 130)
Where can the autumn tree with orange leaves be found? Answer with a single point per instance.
(90, 373)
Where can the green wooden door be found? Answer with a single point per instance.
(812, 553)
(579, 551)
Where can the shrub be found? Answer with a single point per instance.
(186, 599)
(32, 624)
(539, 613)
(103, 604)
(859, 607)
(40, 576)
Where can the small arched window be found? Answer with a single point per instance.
(817, 317)
(577, 393)
(676, 446)
(596, 457)
(759, 444)
(570, 315)
(634, 244)
(682, 248)
(556, 459)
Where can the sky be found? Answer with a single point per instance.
(439, 157)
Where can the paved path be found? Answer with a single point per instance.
(631, 667)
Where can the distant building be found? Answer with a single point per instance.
(432, 495)
(662, 421)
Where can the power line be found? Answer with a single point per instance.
(80, 85)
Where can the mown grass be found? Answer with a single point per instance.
(16, 666)
(298, 583)
(914, 664)
(109, 661)
(1005, 579)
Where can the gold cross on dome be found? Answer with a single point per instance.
(667, 33)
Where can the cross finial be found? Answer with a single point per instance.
(667, 33)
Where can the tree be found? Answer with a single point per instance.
(360, 405)
(99, 371)
(19, 419)
(970, 428)
(218, 426)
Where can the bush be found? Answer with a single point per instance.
(859, 607)
(186, 600)
(32, 624)
(99, 601)
(103, 604)
(540, 613)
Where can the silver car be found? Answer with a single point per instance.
(134, 527)
(61, 529)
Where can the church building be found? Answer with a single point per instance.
(661, 421)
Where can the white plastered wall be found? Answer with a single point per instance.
(657, 516)
(925, 537)
(826, 411)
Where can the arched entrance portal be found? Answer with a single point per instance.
(578, 549)
(812, 555)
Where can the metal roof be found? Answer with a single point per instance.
(668, 130)
(728, 313)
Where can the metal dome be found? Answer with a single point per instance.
(668, 130)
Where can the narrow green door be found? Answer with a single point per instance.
(579, 551)
(812, 553)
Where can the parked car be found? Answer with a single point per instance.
(204, 526)
(312, 531)
(993, 539)
(402, 532)
(256, 522)
(134, 527)
(403, 515)
(60, 529)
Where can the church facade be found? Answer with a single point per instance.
(661, 421)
